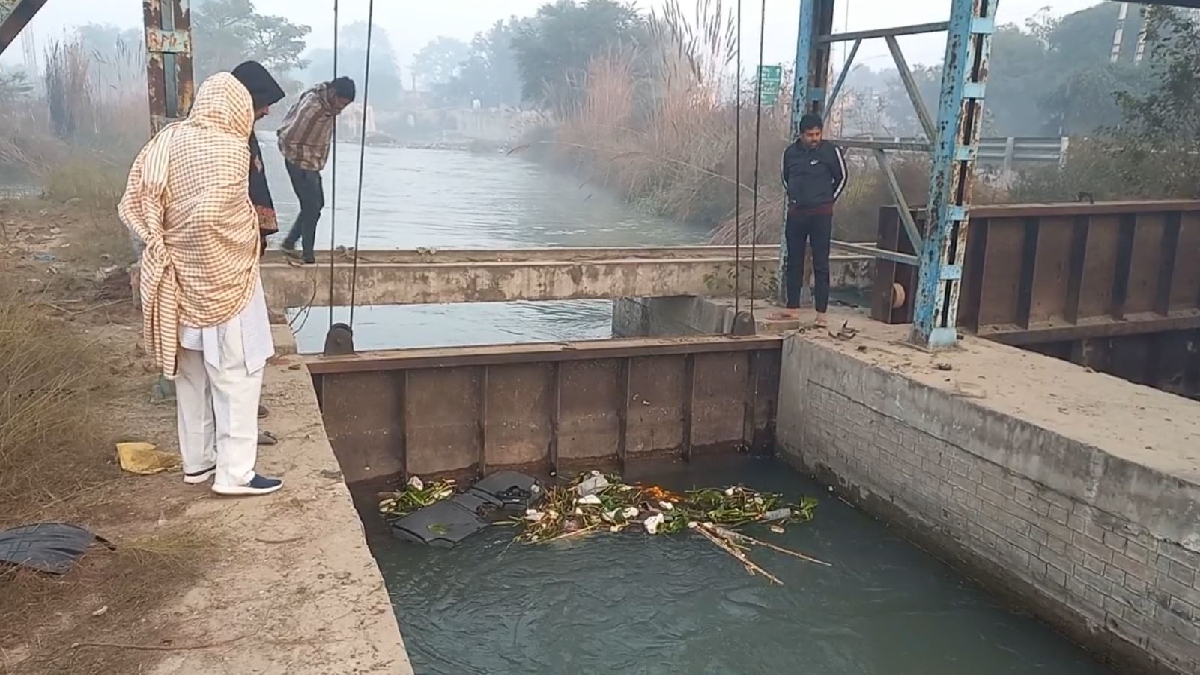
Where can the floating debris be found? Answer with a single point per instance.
(415, 495)
(596, 502)
(610, 504)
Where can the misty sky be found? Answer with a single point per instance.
(412, 23)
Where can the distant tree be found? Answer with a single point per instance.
(386, 82)
(556, 45)
(440, 60)
(490, 73)
(228, 32)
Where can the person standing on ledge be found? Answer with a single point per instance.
(204, 315)
(814, 175)
(304, 139)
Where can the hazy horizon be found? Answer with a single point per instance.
(412, 25)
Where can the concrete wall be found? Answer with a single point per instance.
(1103, 548)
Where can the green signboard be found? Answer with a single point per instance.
(770, 79)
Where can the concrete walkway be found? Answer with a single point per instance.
(302, 594)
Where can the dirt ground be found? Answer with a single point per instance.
(195, 583)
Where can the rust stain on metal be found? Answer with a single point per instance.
(160, 41)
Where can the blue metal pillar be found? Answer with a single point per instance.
(960, 113)
(809, 82)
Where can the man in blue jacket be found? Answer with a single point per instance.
(814, 175)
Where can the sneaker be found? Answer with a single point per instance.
(199, 477)
(309, 259)
(258, 485)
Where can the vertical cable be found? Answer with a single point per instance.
(737, 170)
(333, 187)
(362, 155)
(762, 31)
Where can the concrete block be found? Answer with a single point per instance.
(1085, 534)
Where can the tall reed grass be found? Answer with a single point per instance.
(79, 127)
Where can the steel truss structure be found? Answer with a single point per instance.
(952, 133)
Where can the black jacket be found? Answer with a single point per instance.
(813, 177)
(264, 91)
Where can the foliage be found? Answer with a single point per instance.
(227, 32)
(1152, 151)
(439, 60)
(555, 47)
(386, 82)
(1052, 76)
(489, 73)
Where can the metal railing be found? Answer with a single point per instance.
(1002, 151)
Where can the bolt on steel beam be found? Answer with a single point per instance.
(960, 114)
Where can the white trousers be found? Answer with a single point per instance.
(217, 410)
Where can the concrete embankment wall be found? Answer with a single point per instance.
(1101, 546)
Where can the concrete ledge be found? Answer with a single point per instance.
(1072, 491)
(302, 586)
(421, 277)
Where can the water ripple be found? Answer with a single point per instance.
(670, 605)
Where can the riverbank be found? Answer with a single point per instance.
(195, 582)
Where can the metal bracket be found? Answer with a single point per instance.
(339, 341)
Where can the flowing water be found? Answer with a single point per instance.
(446, 199)
(628, 603)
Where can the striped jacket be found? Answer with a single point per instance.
(307, 129)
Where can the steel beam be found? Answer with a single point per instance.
(886, 32)
(170, 80)
(810, 79)
(960, 112)
(14, 16)
(837, 88)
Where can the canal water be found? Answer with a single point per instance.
(447, 199)
(630, 604)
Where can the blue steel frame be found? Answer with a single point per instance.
(953, 145)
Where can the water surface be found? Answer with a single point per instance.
(448, 199)
(670, 605)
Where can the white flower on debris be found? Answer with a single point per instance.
(651, 524)
(415, 483)
(629, 512)
(666, 506)
(728, 492)
(589, 500)
(533, 515)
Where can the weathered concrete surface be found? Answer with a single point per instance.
(1075, 493)
(299, 592)
(427, 276)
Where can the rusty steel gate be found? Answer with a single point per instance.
(546, 407)
(1114, 286)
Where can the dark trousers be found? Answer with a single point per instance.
(311, 194)
(801, 230)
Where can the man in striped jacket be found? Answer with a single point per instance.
(304, 139)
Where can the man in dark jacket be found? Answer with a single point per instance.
(265, 92)
(814, 175)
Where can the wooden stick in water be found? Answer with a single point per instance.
(741, 557)
(739, 537)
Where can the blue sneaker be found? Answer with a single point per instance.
(258, 485)
(199, 477)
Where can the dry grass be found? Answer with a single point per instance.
(70, 387)
(47, 387)
(92, 619)
(77, 132)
